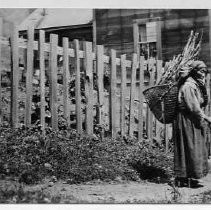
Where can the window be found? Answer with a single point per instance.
(147, 38)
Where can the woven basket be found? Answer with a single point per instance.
(162, 101)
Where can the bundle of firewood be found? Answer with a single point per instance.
(190, 52)
(162, 98)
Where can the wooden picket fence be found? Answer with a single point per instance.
(92, 62)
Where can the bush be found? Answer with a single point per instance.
(152, 162)
(26, 154)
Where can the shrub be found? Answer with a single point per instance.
(26, 154)
(152, 162)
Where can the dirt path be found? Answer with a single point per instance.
(130, 192)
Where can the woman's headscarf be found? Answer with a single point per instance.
(193, 70)
(199, 67)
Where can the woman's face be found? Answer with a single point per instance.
(201, 74)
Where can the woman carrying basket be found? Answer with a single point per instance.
(191, 156)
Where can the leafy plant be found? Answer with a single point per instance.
(26, 154)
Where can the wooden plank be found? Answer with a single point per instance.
(113, 94)
(89, 86)
(78, 88)
(141, 98)
(53, 81)
(15, 76)
(29, 75)
(100, 72)
(94, 31)
(158, 125)
(123, 87)
(168, 134)
(132, 95)
(164, 127)
(66, 78)
(145, 20)
(136, 38)
(150, 115)
(42, 79)
(159, 70)
(1, 32)
(159, 40)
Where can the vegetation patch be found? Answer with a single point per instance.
(30, 157)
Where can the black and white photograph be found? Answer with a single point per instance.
(105, 105)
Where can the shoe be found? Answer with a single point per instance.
(195, 183)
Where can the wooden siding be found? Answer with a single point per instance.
(115, 29)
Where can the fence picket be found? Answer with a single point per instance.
(159, 70)
(89, 87)
(53, 80)
(113, 94)
(141, 97)
(29, 75)
(132, 94)
(78, 88)
(123, 87)
(66, 78)
(158, 125)
(100, 72)
(1, 32)
(15, 76)
(42, 79)
(150, 115)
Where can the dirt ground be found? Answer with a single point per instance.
(123, 192)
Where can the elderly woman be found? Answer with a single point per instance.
(191, 158)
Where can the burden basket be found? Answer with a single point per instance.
(162, 101)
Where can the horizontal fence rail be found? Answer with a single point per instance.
(60, 51)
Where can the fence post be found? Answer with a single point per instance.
(42, 79)
(53, 81)
(29, 75)
(66, 77)
(150, 115)
(15, 76)
(132, 94)
(141, 98)
(113, 94)
(123, 87)
(89, 86)
(1, 33)
(78, 87)
(159, 126)
(100, 73)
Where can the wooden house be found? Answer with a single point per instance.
(160, 33)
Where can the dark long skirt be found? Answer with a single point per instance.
(190, 152)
